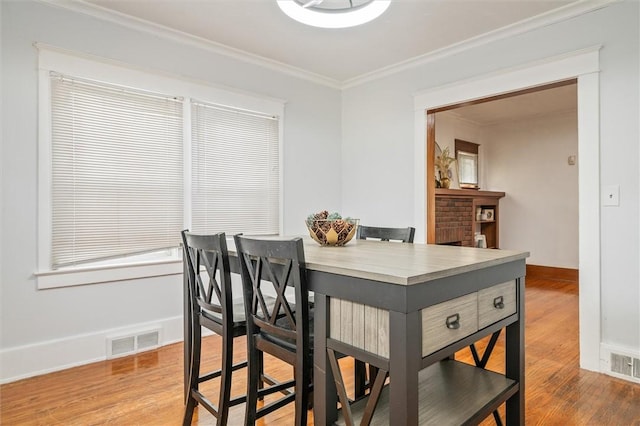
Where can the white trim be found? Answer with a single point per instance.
(584, 65)
(281, 177)
(188, 169)
(554, 16)
(44, 171)
(558, 15)
(589, 260)
(101, 69)
(532, 74)
(92, 67)
(104, 274)
(192, 40)
(54, 355)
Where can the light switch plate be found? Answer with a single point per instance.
(611, 195)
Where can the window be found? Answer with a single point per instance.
(234, 170)
(128, 158)
(117, 171)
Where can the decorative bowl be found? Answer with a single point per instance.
(332, 232)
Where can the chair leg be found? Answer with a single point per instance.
(225, 380)
(261, 373)
(373, 372)
(360, 379)
(253, 378)
(188, 413)
(194, 372)
(302, 394)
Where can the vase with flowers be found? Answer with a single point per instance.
(443, 164)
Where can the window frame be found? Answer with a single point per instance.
(112, 72)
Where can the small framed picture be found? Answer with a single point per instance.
(488, 214)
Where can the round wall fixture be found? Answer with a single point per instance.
(334, 13)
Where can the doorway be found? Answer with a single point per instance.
(582, 66)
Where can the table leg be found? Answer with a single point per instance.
(405, 354)
(514, 365)
(325, 397)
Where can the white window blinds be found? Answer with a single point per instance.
(235, 171)
(117, 181)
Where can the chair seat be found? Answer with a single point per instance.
(287, 343)
(239, 316)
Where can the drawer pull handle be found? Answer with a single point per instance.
(453, 322)
(498, 302)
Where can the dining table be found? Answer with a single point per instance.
(408, 308)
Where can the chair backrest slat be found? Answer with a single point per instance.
(268, 268)
(386, 234)
(209, 277)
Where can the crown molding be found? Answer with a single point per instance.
(569, 11)
(564, 13)
(44, 47)
(80, 6)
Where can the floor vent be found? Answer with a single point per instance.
(636, 368)
(133, 343)
(122, 346)
(621, 364)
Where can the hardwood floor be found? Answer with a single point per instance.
(147, 389)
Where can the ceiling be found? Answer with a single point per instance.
(409, 29)
(544, 102)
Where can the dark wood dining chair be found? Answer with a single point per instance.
(404, 235)
(211, 306)
(284, 330)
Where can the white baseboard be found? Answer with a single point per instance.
(54, 355)
(606, 366)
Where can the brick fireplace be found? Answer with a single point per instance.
(454, 221)
(457, 219)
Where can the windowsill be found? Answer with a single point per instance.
(102, 274)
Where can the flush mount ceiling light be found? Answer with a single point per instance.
(333, 13)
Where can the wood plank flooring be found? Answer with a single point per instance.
(147, 389)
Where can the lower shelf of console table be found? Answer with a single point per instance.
(450, 393)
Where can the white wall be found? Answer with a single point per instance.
(49, 329)
(377, 169)
(449, 127)
(528, 161)
(379, 113)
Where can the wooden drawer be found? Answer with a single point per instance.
(448, 322)
(495, 303)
